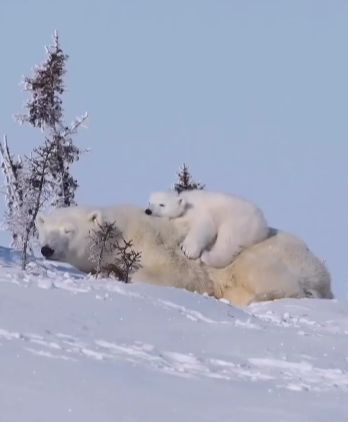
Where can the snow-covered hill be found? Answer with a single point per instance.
(79, 349)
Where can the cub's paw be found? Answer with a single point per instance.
(191, 249)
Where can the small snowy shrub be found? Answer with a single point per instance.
(112, 254)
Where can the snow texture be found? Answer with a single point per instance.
(73, 348)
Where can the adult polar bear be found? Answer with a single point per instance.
(280, 266)
(221, 225)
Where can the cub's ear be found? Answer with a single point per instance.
(96, 217)
(40, 220)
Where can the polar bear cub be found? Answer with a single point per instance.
(220, 225)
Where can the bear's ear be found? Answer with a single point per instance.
(39, 220)
(182, 202)
(96, 217)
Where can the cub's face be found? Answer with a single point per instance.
(166, 204)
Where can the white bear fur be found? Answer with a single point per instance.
(221, 225)
(280, 266)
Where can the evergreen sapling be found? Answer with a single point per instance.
(185, 181)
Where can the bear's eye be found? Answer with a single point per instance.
(162, 205)
(67, 230)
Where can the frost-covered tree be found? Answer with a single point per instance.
(185, 181)
(44, 175)
(44, 110)
(27, 189)
(112, 253)
(12, 169)
(37, 190)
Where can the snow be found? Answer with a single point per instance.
(73, 348)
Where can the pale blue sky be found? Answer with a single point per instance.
(252, 95)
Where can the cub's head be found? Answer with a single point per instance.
(166, 204)
(64, 235)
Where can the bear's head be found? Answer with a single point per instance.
(64, 235)
(166, 204)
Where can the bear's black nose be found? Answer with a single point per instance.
(47, 251)
(148, 211)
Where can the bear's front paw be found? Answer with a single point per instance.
(191, 250)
